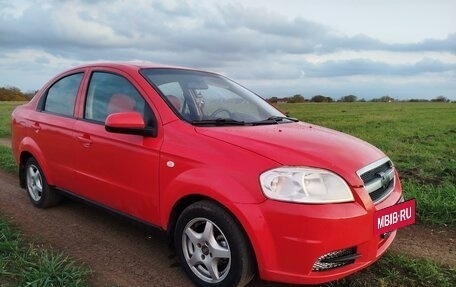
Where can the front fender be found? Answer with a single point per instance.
(229, 192)
(213, 183)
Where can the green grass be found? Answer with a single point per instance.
(7, 162)
(420, 138)
(398, 270)
(6, 158)
(24, 264)
(5, 117)
(435, 204)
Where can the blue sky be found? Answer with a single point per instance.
(404, 49)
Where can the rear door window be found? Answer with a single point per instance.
(61, 97)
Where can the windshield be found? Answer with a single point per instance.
(203, 98)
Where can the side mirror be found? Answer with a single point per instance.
(128, 123)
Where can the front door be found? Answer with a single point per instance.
(119, 171)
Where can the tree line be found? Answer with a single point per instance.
(14, 94)
(348, 99)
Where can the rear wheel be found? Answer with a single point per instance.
(211, 246)
(39, 192)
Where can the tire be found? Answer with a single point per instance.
(39, 192)
(211, 247)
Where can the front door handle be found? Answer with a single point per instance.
(84, 140)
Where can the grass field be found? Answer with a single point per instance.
(24, 264)
(419, 137)
(394, 270)
(5, 117)
(7, 162)
(421, 140)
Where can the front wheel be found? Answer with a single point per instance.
(40, 193)
(211, 246)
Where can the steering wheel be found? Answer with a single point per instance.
(218, 111)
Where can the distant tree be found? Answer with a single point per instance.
(418, 100)
(362, 100)
(11, 94)
(318, 99)
(321, 99)
(349, 98)
(30, 95)
(385, 99)
(297, 99)
(273, 100)
(440, 99)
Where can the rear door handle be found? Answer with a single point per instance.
(36, 127)
(84, 140)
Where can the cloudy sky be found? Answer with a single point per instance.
(404, 49)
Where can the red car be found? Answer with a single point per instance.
(240, 188)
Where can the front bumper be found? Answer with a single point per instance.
(288, 238)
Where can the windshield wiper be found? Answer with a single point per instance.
(274, 120)
(218, 122)
(278, 119)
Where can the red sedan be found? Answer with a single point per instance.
(240, 188)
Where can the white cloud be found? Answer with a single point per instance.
(392, 21)
(275, 49)
(29, 69)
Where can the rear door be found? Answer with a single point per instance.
(52, 127)
(119, 171)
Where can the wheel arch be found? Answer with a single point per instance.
(190, 199)
(177, 209)
(234, 193)
(28, 148)
(25, 155)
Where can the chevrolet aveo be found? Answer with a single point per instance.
(240, 188)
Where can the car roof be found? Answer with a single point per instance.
(135, 65)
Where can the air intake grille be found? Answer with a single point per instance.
(335, 259)
(378, 179)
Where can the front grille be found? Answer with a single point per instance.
(378, 194)
(335, 259)
(372, 174)
(378, 179)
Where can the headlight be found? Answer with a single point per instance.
(305, 185)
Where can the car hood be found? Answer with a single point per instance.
(302, 144)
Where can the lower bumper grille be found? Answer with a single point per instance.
(335, 259)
